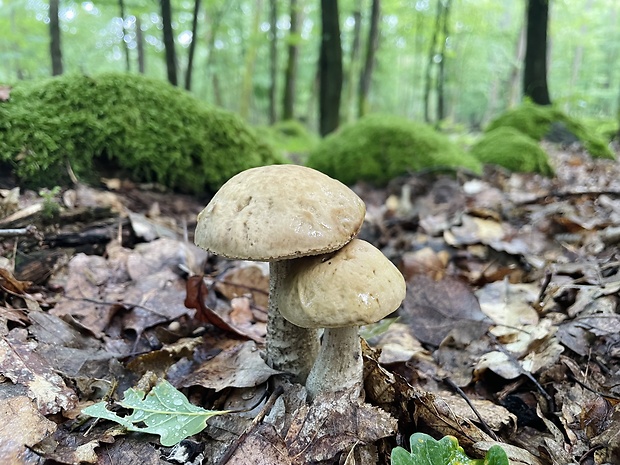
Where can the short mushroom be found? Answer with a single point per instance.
(278, 213)
(340, 291)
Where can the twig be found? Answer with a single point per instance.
(527, 374)
(29, 230)
(460, 392)
(268, 405)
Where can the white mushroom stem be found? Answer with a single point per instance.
(339, 365)
(289, 347)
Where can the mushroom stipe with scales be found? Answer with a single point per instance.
(278, 214)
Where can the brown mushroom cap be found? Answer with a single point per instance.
(353, 286)
(279, 212)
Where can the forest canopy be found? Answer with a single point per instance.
(230, 47)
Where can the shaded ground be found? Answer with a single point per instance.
(510, 330)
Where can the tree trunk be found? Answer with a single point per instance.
(171, 57)
(140, 42)
(373, 44)
(273, 60)
(55, 51)
(290, 79)
(330, 67)
(535, 66)
(192, 46)
(250, 62)
(121, 6)
(428, 79)
(441, 78)
(216, 21)
(353, 63)
(515, 71)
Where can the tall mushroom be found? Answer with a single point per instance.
(340, 291)
(278, 213)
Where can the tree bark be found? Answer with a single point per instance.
(349, 87)
(428, 79)
(515, 71)
(535, 66)
(369, 63)
(140, 42)
(171, 57)
(273, 60)
(55, 50)
(330, 67)
(290, 77)
(192, 46)
(121, 6)
(250, 62)
(441, 77)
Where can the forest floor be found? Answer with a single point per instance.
(510, 330)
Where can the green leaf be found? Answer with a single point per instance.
(427, 451)
(165, 411)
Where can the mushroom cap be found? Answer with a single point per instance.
(279, 212)
(353, 286)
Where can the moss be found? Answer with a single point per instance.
(507, 147)
(290, 137)
(145, 128)
(537, 122)
(378, 148)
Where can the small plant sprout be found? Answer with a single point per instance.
(427, 451)
(340, 291)
(277, 214)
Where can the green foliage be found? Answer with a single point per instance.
(290, 137)
(537, 122)
(378, 148)
(165, 412)
(507, 147)
(146, 128)
(51, 207)
(427, 451)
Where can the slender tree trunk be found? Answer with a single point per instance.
(55, 50)
(121, 6)
(273, 60)
(515, 71)
(369, 63)
(140, 42)
(216, 20)
(171, 57)
(192, 46)
(535, 67)
(290, 78)
(428, 79)
(330, 66)
(250, 62)
(441, 78)
(577, 58)
(348, 85)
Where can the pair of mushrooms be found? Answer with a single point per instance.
(304, 224)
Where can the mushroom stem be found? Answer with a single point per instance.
(289, 347)
(339, 365)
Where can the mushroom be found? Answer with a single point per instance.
(340, 291)
(278, 213)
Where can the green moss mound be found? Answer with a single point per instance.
(290, 137)
(146, 129)
(507, 147)
(540, 122)
(378, 148)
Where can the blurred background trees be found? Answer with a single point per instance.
(445, 61)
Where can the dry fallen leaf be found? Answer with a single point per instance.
(21, 426)
(240, 366)
(434, 308)
(21, 364)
